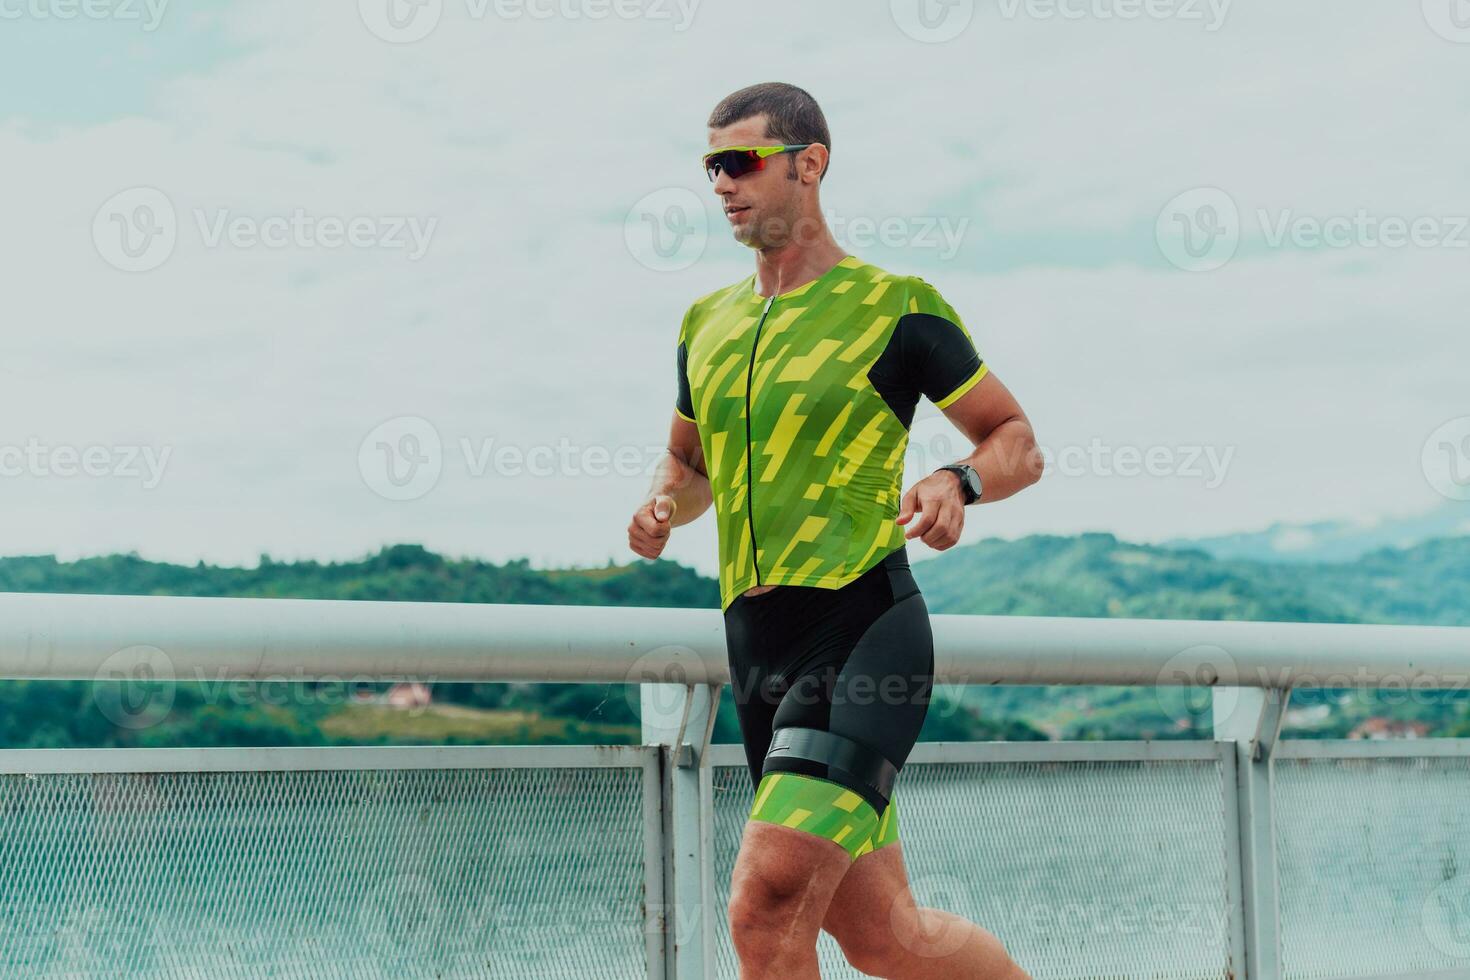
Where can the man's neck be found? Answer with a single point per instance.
(787, 267)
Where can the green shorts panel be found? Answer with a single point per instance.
(827, 809)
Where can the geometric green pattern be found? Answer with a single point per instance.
(804, 457)
(821, 807)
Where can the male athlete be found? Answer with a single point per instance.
(796, 389)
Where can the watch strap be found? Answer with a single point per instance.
(962, 470)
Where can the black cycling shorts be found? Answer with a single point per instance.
(856, 662)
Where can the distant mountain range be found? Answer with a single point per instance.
(1325, 541)
(1098, 575)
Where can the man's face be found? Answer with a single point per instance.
(762, 206)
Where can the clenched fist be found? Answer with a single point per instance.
(648, 532)
(940, 504)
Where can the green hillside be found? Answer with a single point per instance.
(1091, 575)
(1428, 583)
(403, 573)
(1098, 575)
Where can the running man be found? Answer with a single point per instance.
(796, 389)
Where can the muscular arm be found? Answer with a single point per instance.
(680, 492)
(681, 473)
(940, 356)
(1005, 454)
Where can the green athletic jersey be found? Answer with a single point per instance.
(803, 403)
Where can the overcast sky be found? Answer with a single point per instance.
(309, 278)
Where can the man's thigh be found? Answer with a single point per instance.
(779, 868)
(874, 889)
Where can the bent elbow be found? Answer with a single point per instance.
(1035, 459)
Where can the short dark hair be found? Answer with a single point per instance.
(793, 116)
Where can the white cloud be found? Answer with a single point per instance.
(529, 323)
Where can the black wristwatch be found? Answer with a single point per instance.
(969, 480)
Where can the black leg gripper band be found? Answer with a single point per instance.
(849, 761)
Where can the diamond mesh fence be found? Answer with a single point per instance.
(403, 873)
(1373, 858)
(1083, 869)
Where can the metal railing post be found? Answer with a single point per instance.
(679, 719)
(1250, 718)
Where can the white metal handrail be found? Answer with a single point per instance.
(87, 636)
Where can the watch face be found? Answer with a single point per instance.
(972, 482)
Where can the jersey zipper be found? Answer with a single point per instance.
(749, 454)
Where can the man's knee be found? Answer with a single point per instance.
(755, 901)
(767, 914)
(782, 885)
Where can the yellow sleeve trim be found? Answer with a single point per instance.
(682, 415)
(964, 387)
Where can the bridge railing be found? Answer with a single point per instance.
(1239, 855)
